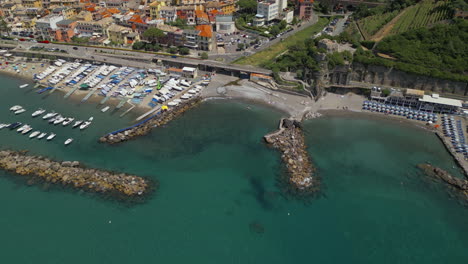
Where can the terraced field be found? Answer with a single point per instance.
(422, 14)
(370, 25)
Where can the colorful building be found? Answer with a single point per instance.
(155, 7)
(65, 30)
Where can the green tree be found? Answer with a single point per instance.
(240, 46)
(139, 45)
(275, 30)
(204, 56)
(153, 34)
(247, 6)
(184, 51)
(282, 25)
(172, 50)
(4, 27)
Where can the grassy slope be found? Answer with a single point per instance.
(271, 52)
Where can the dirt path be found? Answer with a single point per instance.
(383, 32)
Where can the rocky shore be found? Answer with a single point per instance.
(72, 173)
(456, 184)
(289, 139)
(159, 120)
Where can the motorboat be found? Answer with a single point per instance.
(34, 134)
(42, 135)
(68, 141)
(172, 103)
(49, 115)
(105, 109)
(59, 120)
(15, 125)
(53, 119)
(15, 107)
(24, 85)
(38, 112)
(85, 125)
(77, 123)
(19, 111)
(91, 119)
(68, 121)
(3, 125)
(23, 127)
(51, 136)
(26, 130)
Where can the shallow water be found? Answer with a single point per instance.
(218, 200)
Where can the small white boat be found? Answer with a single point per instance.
(172, 103)
(22, 127)
(53, 119)
(16, 107)
(38, 112)
(34, 134)
(68, 121)
(105, 109)
(42, 135)
(19, 111)
(77, 123)
(185, 96)
(59, 120)
(51, 136)
(68, 141)
(91, 119)
(24, 85)
(3, 125)
(49, 115)
(85, 125)
(26, 130)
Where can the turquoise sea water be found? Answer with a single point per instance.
(218, 181)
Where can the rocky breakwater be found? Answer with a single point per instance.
(289, 139)
(457, 184)
(72, 173)
(158, 120)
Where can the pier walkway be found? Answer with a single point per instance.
(71, 92)
(89, 95)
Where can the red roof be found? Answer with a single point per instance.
(205, 31)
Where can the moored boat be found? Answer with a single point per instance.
(15, 125)
(26, 130)
(49, 115)
(19, 111)
(68, 141)
(105, 109)
(51, 136)
(67, 121)
(77, 123)
(15, 107)
(22, 128)
(85, 125)
(24, 85)
(42, 135)
(59, 120)
(3, 125)
(38, 112)
(34, 134)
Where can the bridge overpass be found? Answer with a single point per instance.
(131, 58)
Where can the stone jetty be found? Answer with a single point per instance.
(163, 118)
(289, 139)
(458, 183)
(72, 173)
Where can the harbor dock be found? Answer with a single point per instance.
(71, 92)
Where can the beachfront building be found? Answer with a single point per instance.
(93, 28)
(437, 104)
(410, 97)
(65, 30)
(64, 2)
(189, 72)
(121, 35)
(225, 24)
(206, 40)
(46, 26)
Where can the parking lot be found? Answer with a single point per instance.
(228, 43)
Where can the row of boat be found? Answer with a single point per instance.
(17, 109)
(56, 119)
(25, 129)
(399, 110)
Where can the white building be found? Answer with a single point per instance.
(268, 9)
(225, 24)
(45, 25)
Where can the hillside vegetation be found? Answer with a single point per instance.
(426, 12)
(440, 51)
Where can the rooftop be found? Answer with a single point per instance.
(434, 98)
(415, 92)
